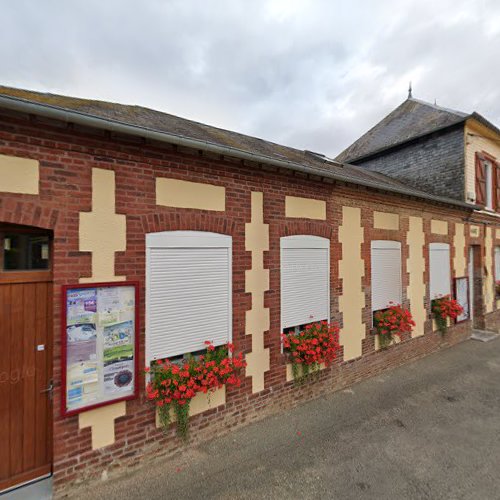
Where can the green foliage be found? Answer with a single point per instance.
(173, 385)
(182, 414)
(384, 341)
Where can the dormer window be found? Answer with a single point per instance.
(487, 182)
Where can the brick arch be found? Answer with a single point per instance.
(154, 223)
(28, 214)
(306, 228)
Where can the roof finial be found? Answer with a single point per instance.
(409, 91)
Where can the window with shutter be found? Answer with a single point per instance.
(386, 273)
(439, 270)
(496, 168)
(188, 292)
(488, 167)
(305, 280)
(480, 181)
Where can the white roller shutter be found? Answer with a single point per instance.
(305, 280)
(386, 273)
(439, 269)
(188, 295)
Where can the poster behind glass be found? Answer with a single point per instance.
(100, 344)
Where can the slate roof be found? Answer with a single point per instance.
(139, 120)
(411, 119)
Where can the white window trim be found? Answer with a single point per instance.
(186, 239)
(304, 241)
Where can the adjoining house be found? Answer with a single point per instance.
(130, 235)
(448, 153)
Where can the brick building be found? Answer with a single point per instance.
(448, 153)
(94, 192)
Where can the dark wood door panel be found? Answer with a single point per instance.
(5, 328)
(25, 367)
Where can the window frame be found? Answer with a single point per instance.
(391, 245)
(488, 170)
(491, 168)
(437, 246)
(296, 241)
(185, 239)
(25, 275)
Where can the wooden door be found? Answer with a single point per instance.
(25, 374)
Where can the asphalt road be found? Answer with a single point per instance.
(428, 430)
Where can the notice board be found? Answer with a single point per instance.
(100, 339)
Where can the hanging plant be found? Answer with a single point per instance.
(443, 308)
(172, 386)
(317, 344)
(392, 322)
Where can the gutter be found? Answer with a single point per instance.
(77, 117)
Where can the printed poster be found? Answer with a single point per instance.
(81, 306)
(118, 342)
(100, 339)
(118, 377)
(81, 343)
(82, 383)
(109, 299)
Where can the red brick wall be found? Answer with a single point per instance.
(66, 156)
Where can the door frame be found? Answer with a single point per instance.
(33, 276)
(475, 264)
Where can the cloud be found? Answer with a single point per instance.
(312, 74)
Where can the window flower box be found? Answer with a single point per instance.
(444, 308)
(173, 387)
(314, 347)
(390, 324)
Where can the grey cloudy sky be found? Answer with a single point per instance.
(311, 74)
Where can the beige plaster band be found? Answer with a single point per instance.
(256, 283)
(488, 289)
(102, 231)
(19, 175)
(439, 226)
(185, 194)
(416, 289)
(102, 422)
(306, 208)
(459, 261)
(385, 220)
(351, 271)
